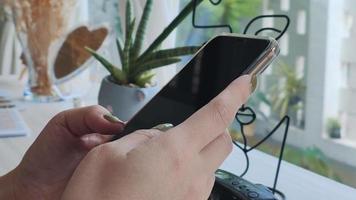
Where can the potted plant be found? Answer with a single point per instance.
(128, 88)
(333, 128)
(286, 100)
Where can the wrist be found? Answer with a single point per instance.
(7, 187)
(12, 187)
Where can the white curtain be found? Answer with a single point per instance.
(10, 49)
(162, 14)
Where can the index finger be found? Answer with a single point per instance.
(211, 120)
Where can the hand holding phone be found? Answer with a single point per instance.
(219, 62)
(201, 101)
(149, 164)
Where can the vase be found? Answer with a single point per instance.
(124, 101)
(39, 23)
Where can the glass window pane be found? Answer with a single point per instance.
(301, 22)
(313, 81)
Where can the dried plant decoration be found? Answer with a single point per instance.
(39, 23)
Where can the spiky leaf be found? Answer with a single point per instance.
(118, 75)
(156, 64)
(127, 48)
(141, 30)
(120, 49)
(168, 30)
(144, 79)
(169, 53)
(128, 17)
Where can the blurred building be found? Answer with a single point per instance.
(348, 62)
(319, 46)
(293, 54)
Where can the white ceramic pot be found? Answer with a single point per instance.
(123, 101)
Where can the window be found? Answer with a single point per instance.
(284, 45)
(268, 22)
(348, 23)
(307, 77)
(285, 4)
(300, 65)
(301, 22)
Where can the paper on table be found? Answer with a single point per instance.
(12, 124)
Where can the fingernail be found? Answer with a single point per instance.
(111, 118)
(163, 127)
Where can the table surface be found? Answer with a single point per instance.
(295, 182)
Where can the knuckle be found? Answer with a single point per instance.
(174, 153)
(227, 142)
(104, 152)
(90, 112)
(244, 93)
(94, 110)
(149, 133)
(221, 111)
(59, 119)
(177, 159)
(177, 163)
(100, 150)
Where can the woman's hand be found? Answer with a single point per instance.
(50, 162)
(176, 165)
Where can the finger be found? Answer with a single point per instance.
(93, 119)
(135, 139)
(209, 186)
(214, 154)
(207, 123)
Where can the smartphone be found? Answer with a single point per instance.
(220, 61)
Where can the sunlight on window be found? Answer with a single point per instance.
(285, 5)
(301, 22)
(284, 44)
(300, 65)
(268, 22)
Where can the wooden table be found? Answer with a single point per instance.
(294, 181)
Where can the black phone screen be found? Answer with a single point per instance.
(221, 61)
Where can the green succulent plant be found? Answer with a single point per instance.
(137, 66)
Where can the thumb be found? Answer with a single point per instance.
(137, 138)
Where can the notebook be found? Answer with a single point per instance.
(12, 123)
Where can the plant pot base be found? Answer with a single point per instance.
(124, 102)
(40, 98)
